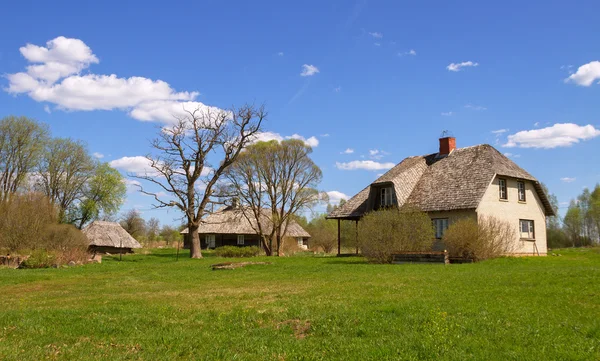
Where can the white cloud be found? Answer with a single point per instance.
(348, 151)
(568, 179)
(376, 35)
(98, 155)
(500, 131)
(325, 135)
(558, 135)
(47, 109)
(536, 124)
(54, 76)
(336, 196)
(309, 70)
(411, 52)
(280, 53)
(132, 185)
(511, 155)
(458, 66)
(586, 74)
(337, 89)
(377, 153)
(377, 44)
(364, 164)
(475, 107)
(447, 114)
(140, 165)
(267, 136)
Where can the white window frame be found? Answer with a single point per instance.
(502, 189)
(210, 241)
(240, 239)
(440, 225)
(521, 191)
(386, 198)
(300, 241)
(526, 229)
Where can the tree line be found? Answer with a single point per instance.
(81, 187)
(581, 223)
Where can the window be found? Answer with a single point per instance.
(386, 196)
(300, 241)
(502, 188)
(210, 240)
(440, 225)
(240, 241)
(526, 229)
(521, 188)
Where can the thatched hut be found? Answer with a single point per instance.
(237, 226)
(109, 237)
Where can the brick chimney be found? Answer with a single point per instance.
(447, 145)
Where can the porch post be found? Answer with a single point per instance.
(339, 238)
(356, 236)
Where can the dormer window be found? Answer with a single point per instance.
(386, 196)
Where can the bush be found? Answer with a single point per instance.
(66, 242)
(39, 259)
(235, 252)
(488, 237)
(386, 232)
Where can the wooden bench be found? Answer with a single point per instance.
(421, 257)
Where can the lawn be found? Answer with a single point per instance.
(304, 308)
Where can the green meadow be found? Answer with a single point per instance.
(152, 307)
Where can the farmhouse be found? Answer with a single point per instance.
(460, 182)
(236, 226)
(109, 237)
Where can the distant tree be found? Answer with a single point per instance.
(323, 234)
(63, 172)
(104, 193)
(134, 224)
(573, 222)
(22, 141)
(152, 229)
(594, 211)
(182, 162)
(277, 176)
(169, 235)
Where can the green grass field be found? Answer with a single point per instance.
(304, 308)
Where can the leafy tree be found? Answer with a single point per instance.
(134, 224)
(323, 234)
(152, 229)
(104, 194)
(182, 162)
(573, 222)
(279, 177)
(21, 143)
(170, 235)
(63, 172)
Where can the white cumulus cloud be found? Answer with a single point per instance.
(447, 114)
(558, 135)
(376, 35)
(348, 151)
(267, 136)
(309, 70)
(500, 131)
(586, 74)
(336, 196)
(458, 66)
(55, 76)
(568, 179)
(364, 164)
(98, 155)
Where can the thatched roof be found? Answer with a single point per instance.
(441, 183)
(109, 234)
(231, 220)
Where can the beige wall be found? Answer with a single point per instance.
(512, 210)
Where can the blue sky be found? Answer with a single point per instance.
(381, 78)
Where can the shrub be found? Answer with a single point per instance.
(66, 242)
(385, 232)
(39, 258)
(487, 237)
(235, 252)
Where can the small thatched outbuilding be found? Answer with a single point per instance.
(109, 237)
(236, 226)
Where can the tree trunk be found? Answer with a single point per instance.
(195, 251)
(266, 246)
(278, 245)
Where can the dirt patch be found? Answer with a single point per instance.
(299, 327)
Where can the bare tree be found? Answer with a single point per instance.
(63, 172)
(134, 224)
(185, 167)
(274, 181)
(21, 143)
